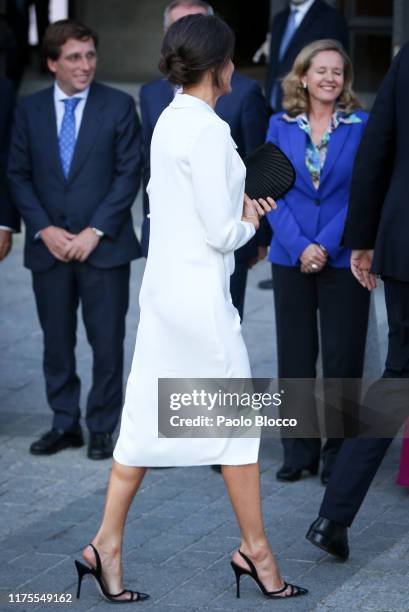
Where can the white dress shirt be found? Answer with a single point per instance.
(59, 97)
(302, 10)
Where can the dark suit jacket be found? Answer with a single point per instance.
(244, 109)
(8, 212)
(103, 180)
(321, 21)
(378, 215)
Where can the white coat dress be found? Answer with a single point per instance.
(188, 325)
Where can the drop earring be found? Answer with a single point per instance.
(304, 85)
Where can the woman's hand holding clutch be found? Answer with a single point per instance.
(253, 210)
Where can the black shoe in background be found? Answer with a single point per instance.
(329, 536)
(217, 468)
(325, 476)
(265, 284)
(289, 474)
(55, 440)
(100, 446)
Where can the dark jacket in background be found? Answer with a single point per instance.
(378, 215)
(8, 212)
(321, 21)
(244, 109)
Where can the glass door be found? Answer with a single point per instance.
(370, 25)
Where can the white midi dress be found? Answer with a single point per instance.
(188, 325)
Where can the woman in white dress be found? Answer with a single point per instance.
(188, 326)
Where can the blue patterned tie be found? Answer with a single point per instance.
(285, 41)
(67, 136)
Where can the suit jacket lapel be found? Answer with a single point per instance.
(297, 146)
(336, 144)
(47, 127)
(303, 27)
(277, 35)
(90, 126)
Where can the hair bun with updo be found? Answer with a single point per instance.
(193, 45)
(176, 68)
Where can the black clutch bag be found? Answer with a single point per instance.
(269, 173)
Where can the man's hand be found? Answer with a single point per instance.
(82, 245)
(58, 241)
(313, 259)
(361, 262)
(6, 241)
(262, 253)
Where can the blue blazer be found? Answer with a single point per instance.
(244, 109)
(8, 212)
(307, 215)
(103, 180)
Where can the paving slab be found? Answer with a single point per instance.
(181, 530)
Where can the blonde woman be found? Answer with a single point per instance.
(320, 131)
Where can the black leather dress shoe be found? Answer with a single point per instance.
(329, 536)
(265, 284)
(56, 440)
(289, 474)
(100, 446)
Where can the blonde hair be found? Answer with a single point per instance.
(296, 97)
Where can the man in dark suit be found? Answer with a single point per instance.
(377, 228)
(292, 29)
(74, 172)
(244, 110)
(9, 217)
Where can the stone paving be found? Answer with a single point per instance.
(181, 530)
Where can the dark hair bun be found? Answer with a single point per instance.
(193, 45)
(176, 68)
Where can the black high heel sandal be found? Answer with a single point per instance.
(239, 571)
(97, 574)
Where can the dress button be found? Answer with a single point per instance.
(317, 201)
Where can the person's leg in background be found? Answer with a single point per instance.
(42, 11)
(295, 298)
(359, 458)
(18, 20)
(104, 297)
(343, 308)
(403, 476)
(56, 295)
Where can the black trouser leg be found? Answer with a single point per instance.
(42, 17)
(104, 297)
(343, 310)
(56, 297)
(295, 297)
(238, 282)
(360, 458)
